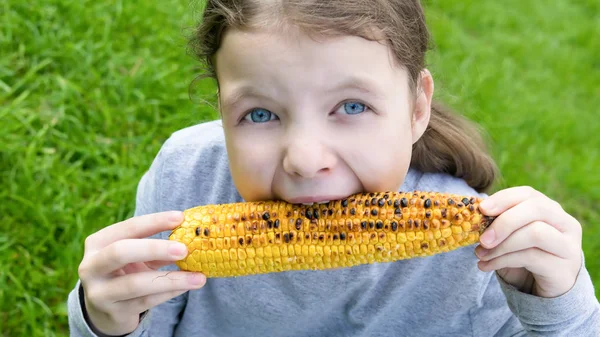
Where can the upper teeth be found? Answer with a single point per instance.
(312, 203)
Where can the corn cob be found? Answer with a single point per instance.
(249, 238)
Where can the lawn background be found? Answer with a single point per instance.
(89, 90)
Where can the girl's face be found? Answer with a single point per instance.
(311, 121)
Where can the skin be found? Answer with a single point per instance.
(307, 147)
(119, 271)
(534, 244)
(316, 142)
(299, 139)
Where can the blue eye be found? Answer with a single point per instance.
(353, 108)
(260, 115)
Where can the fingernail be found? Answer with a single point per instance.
(488, 236)
(196, 279)
(487, 205)
(177, 250)
(482, 252)
(176, 216)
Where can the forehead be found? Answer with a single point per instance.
(268, 53)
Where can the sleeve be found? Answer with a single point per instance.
(575, 313)
(161, 319)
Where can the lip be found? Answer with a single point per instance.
(316, 198)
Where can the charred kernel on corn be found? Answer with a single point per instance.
(239, 239)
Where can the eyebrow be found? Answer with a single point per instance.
(240, 93)
(361, 84)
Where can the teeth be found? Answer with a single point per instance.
(312, 203)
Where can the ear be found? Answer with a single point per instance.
(218, 95)
(422, 108)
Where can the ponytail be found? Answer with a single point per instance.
(452, 144)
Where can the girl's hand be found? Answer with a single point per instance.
(119, 271)
(533, 244)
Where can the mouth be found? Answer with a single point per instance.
(311, 200)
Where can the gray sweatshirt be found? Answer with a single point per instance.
(442, 295)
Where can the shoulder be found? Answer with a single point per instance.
(206, 134)
(437, 182)
(190, 169)
(193, 149)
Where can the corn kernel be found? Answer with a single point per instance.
(446, 232)
(234, 239)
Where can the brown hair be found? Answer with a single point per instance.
(451, 143)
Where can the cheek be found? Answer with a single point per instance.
(380, 157)
(253, 161)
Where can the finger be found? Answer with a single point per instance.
(528, 211)
(502, 200)
(137, 227)
(141, 304)
(148, 283)
(536, 234)
(144, 266)
(120, 253)
(535, 260)
(155, 265)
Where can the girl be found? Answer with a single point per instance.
(320, 100)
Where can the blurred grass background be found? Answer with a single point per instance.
(89, 90)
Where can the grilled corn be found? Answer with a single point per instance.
(247, 238)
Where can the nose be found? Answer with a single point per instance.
(307, 156)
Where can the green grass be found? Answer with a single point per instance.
(89, 91)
